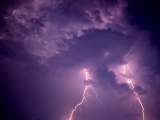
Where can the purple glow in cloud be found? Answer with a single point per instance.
(45, 44)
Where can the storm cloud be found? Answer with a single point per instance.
(46, 44)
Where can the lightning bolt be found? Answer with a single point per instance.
(83, 99)
(132, 86)
(85, 92)
(129, 69)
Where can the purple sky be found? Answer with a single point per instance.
(45, 45)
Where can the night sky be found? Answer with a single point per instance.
(46, 46)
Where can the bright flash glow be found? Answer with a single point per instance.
(132, 86)
(129, 81)
(87, 74)
(124, 70)
(85, 92)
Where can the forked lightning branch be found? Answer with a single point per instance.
(85, 92)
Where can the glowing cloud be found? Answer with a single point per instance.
(132, 87)
(85, 94)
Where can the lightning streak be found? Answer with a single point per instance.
(97, 96)
(83, 99)
(87, 74)
(129, 69)
(85, 94)
(140, 102)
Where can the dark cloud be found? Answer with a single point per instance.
(105, 77)
(14, 50)
(44, 24)
(143, 92)
(108, 80)
(89, 82)
(124, 88)
(95, 46)
(8, 6)
(139, 90)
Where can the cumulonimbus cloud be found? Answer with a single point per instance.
(42, 25)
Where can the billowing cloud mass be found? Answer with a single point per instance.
(46, 44)
(44, 26)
